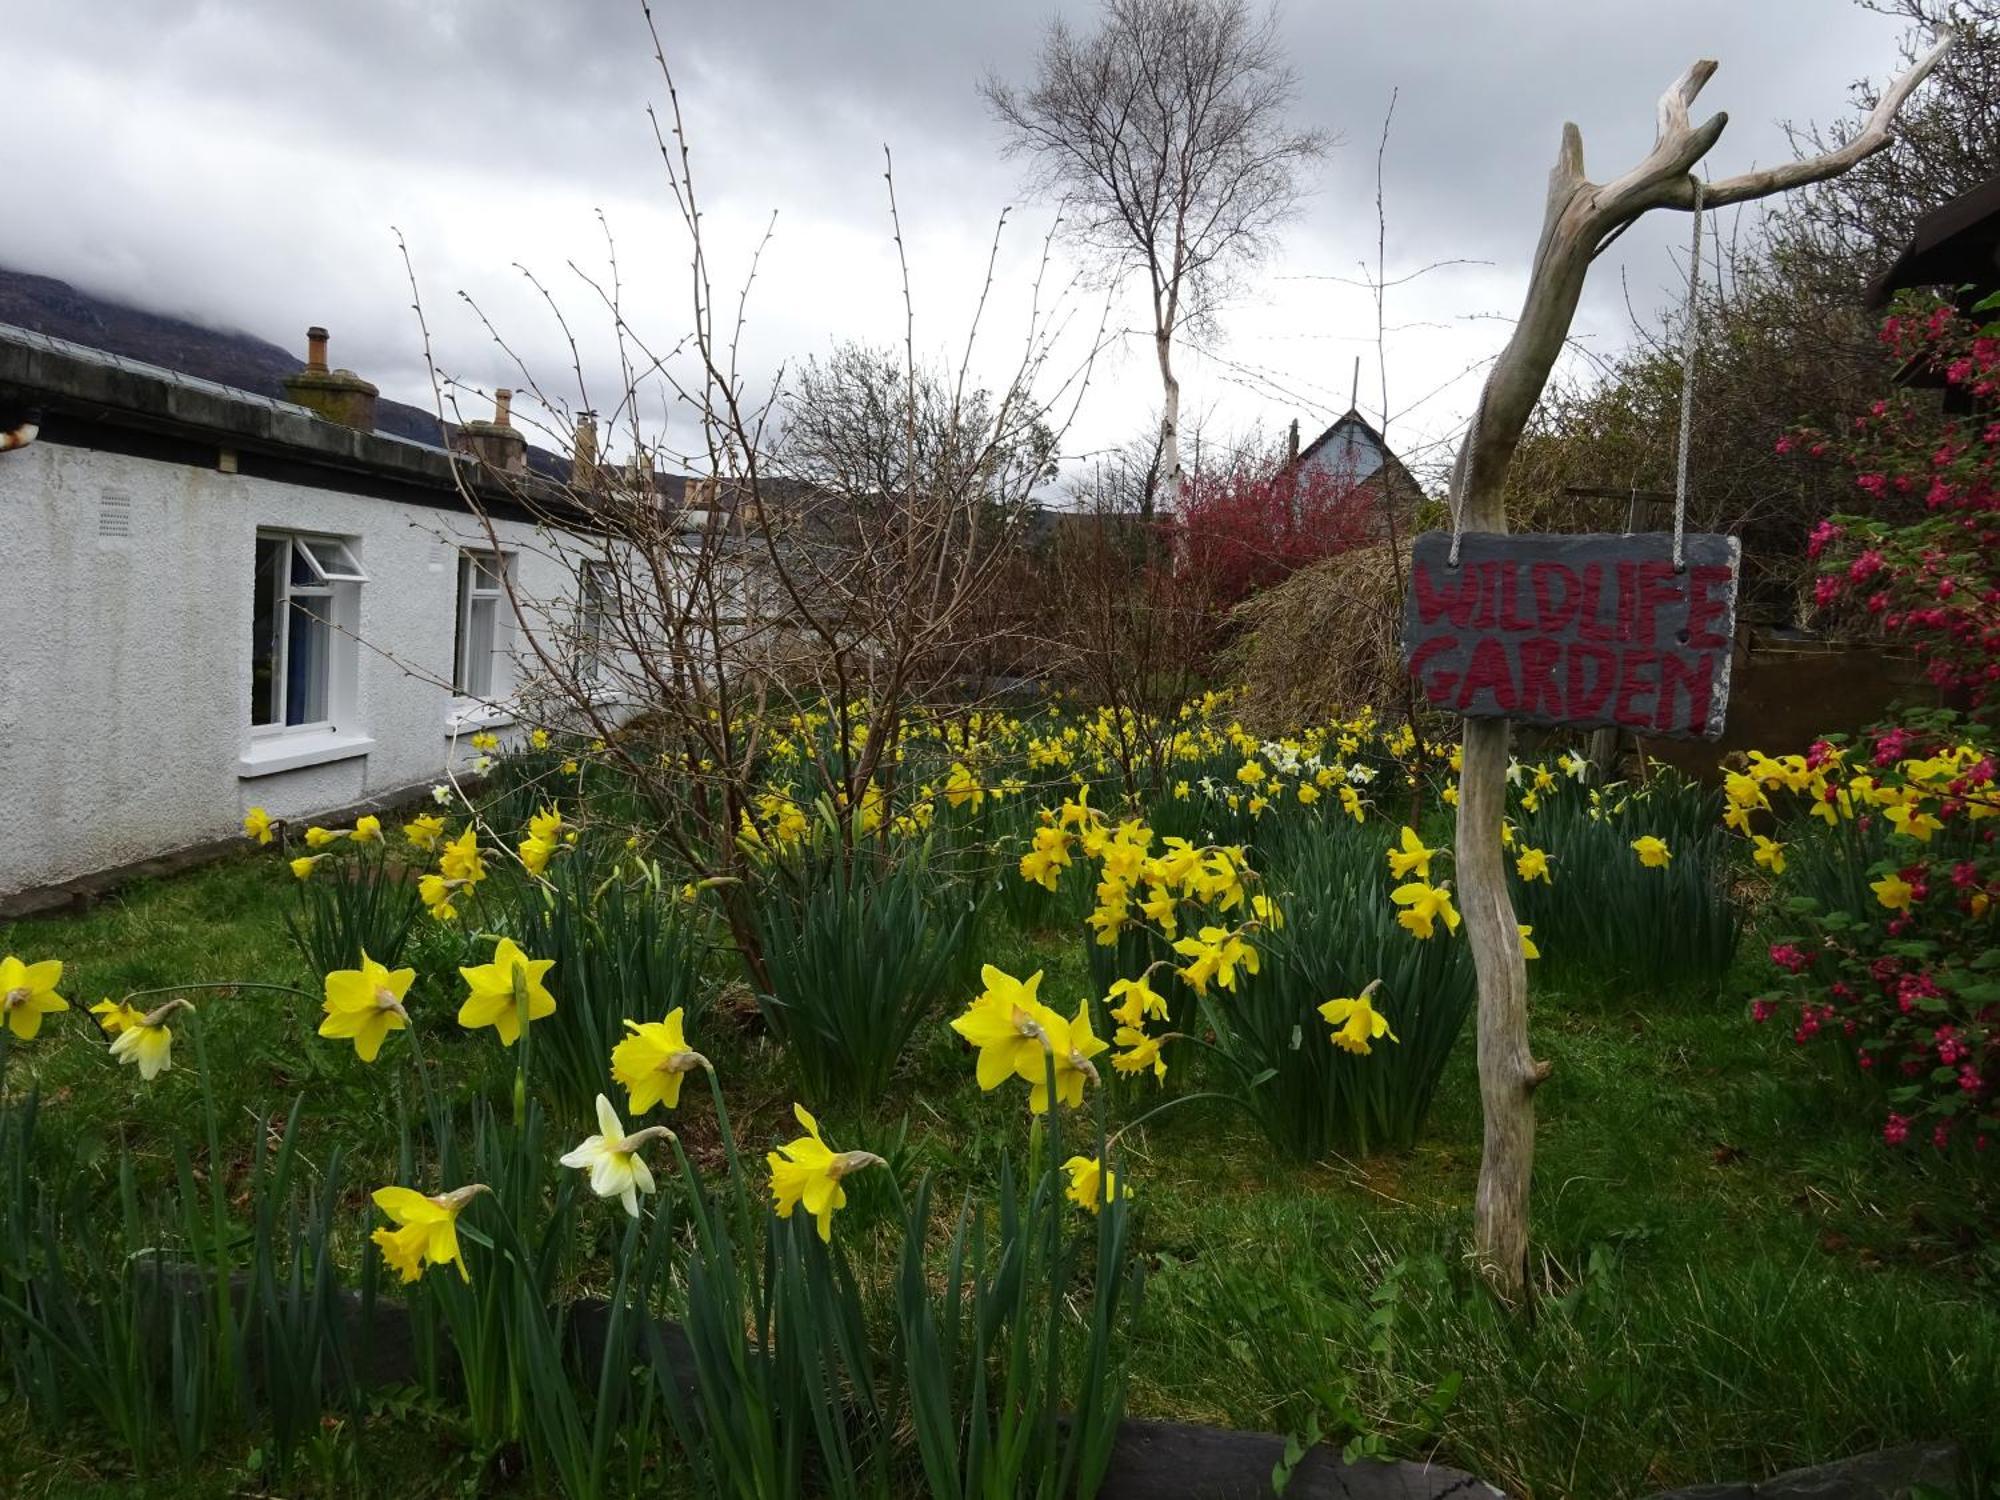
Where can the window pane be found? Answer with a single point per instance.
(477, 667)
(305, 572)
(336, 562)
(264, 622)
(489, 571)
(306, 657)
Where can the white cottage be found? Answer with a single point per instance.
(213, 600)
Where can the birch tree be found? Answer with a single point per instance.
(1581, 217)
(1166, 135)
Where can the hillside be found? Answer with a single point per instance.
(56, 308)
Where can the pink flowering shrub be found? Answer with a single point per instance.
(1920, 553)
(1887, 872)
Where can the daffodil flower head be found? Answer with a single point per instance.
(148, 1042)
(1652, 851)
(809, 1171)
(28, 992)
(613, 1159)
(1412, 858)
(426, 1229)
(1357, 1025)
(1092, 1184)
(1008, 1024)
(257, 825)
(653, 1062)
(115, 1016)
(1067, 1062)
(491, 999)
(364, 1005)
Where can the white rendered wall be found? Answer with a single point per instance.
(125, 659)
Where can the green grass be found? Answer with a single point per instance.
(1735, 1277)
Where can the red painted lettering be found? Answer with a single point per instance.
(1591, 613)
(1489, 672)
(1455, 595)
(1637, 677)
(1543, 577)
(1539, 655)
(1586, 700)
(1437, 687)
(1658, 585)
(1704, 611)
(1694, 675)
(1510, 592)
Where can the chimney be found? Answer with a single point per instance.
(495, 444)
(583, 455)
(1292, 443)
(335, 395)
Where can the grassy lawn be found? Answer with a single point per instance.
(1735, 1277)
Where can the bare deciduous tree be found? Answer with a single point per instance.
(1165, 133)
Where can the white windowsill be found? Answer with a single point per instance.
(292, 752)
(469, 714)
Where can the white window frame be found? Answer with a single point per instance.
(596, 604)
(337, 579)
(470, 593)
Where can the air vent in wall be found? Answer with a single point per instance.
(114, 514)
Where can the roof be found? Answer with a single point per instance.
(81, 387)
(1352, 448)
(1954, 244)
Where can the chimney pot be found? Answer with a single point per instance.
(337, 395)
(316, 349)
(583, 455)
(1292, 442)
(503, 401)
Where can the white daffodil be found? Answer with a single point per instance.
(441, 794)
(612, 1158)
(1576, 766)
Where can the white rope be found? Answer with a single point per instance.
(1461, 473)
(1690, 338)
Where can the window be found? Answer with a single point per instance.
(302, 616)
(482, 623)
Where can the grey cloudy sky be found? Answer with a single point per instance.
(241, 162)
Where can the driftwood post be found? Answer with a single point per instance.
(1582, 217)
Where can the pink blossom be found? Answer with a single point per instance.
(1896, 1130)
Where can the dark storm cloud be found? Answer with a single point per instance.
(241, 161)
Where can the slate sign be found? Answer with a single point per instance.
(1584, 631)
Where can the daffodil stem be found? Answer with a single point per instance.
(729, 1149)
(218, 1194)
(521, 1076)
(439, 1122)
(1162, 1108)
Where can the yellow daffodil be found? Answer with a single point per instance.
(117, 1015)
(319, 838)
(1357, 1024)
(653, 1062)
(305, 864)
(1893, 891)
(148, 1042)
(613, 1159)
(485, 741)
(1770, 854)
(1215, 954)
(424, 832)
(1533, 864)
(1091, 1184)
(367, 829)
(257, 825)
(538, 738)
(28, 992)
(460, 859)
(1071, 1045)
(1308, 794)
(1141, 1052)
(1132, 1001)
(1424, 905)
(1653, 852)
(1411, 858)
(1009, 1025)
(1528, 949)
(490, 999)
(364, 1005)
(426, 1229)
(809, 1171)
